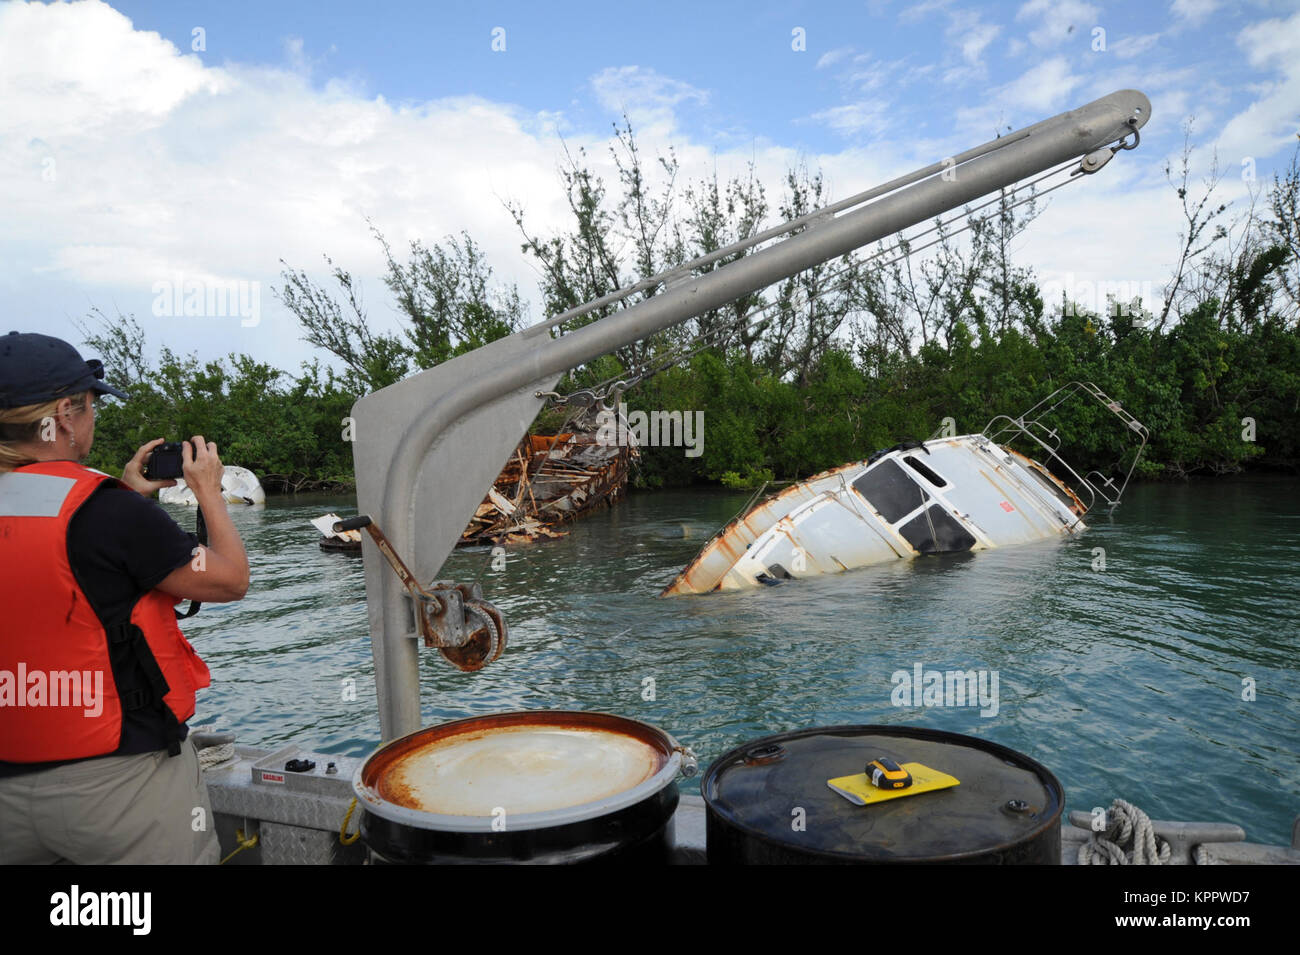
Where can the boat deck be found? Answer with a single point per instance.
(297, 818)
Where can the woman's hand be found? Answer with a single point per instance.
(203, 469)
(223, 575)
(133, 474)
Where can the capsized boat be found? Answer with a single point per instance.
(941, 496)
(238, 486)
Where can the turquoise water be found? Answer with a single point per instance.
(1124, 682)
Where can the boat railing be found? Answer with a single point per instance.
(1012, 428)
(1048, 434)
(1095, 484)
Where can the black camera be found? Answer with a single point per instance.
(165, 462)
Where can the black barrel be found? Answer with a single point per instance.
(768, 802)
(641, 834)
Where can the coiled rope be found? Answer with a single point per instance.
(1128, 839)
(211, 756)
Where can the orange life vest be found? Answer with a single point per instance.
(65, 676)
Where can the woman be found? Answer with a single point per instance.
(96, 680)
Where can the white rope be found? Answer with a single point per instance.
(216, 755)
(1128, 839)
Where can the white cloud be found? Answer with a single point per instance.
(293, 52)
(643, 94)
(965, 31)
(1042, 88)
(1272, 44)
(869, 74)
(1194, 11)
(163, 165)
(973, 38)
(171, 167)
(914, 12)
(871, 78)
(1127, 47)
(1132, 220)
(124, 162)
(103, 73)
(1058, 20)
(832, 57)
(1273, 118)
(867, 116)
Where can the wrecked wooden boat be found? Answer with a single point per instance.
(548, 481)
(942, 496)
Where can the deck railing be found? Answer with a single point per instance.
(1003, 429)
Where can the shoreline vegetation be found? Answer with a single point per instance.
(825, 368)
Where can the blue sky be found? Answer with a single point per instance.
(867, 71)
(128, 157)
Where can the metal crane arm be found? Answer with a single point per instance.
(426, 449)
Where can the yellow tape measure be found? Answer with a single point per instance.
(859, 790)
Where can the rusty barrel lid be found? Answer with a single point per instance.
(536, 768)
(768, 800)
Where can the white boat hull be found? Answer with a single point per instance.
(238, 486)
(949, 495)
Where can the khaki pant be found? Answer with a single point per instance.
(146, 809)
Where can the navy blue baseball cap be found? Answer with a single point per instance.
(37, 368)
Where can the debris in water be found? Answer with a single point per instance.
(550, 480)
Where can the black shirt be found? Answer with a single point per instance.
(121, 546)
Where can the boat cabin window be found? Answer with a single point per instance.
(935, 532)
(890, 490)
(924, 470)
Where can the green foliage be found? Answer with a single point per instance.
(1192, 386)
(287, 429)
(752, 478)
(845, 358)
(445, 298)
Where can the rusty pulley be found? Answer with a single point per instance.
(465, 628)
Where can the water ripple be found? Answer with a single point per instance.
(1127, 681)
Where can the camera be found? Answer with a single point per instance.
(165, 462)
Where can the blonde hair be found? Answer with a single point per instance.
(20, 427)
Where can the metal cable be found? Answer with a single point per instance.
(755, 318)
(791, 225)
